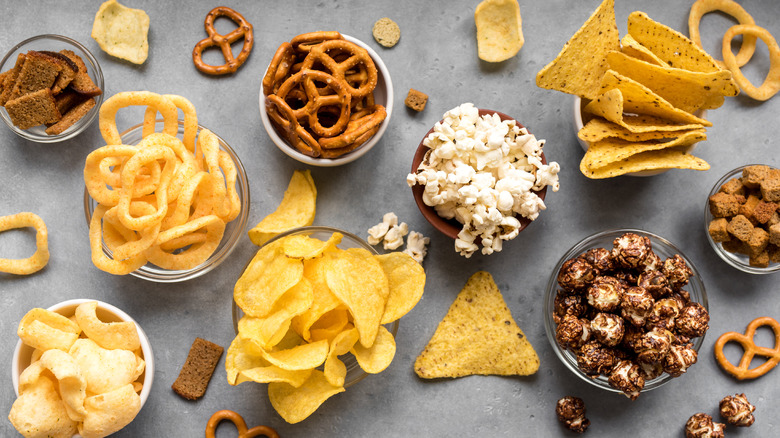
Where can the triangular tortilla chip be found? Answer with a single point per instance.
(669, 45)
(599, 129)
(581, 64)
(611, 150)
(631, 47)
(477, 336)
(652, 160)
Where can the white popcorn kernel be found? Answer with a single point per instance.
(378, 231)
(416, 245)
(394, 237)
(505, 201)
(547, 175)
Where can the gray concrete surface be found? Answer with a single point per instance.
(436, 54)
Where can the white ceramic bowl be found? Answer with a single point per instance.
(107, 313)
(580, 120)
(383, 95)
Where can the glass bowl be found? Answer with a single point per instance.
(107, 313)
(233, 230)
(737, 260)
(664, 249)
(383, 95)
(451, 227)
(55, 43)
(354, 372)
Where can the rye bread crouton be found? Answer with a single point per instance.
(718, 230)
(10, 80)
(764, 211)
(196, 372)
(39, 71)
(758, 241)
(770, 188)
(748, 207)
(740, 227)
(33, 109)
(416, 100)
(753, 175)
(774, 234)
(723, 205)
(71, 117)
(67, 74)
(733, 187)
(82, 83)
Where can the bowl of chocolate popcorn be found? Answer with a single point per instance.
(626, 311)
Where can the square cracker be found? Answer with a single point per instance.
(477, 336)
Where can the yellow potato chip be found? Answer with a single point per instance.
(105, 370)
(334, 370)
(109, 412)
(39, 412)
(578, 68)
(297, 209)
(406, 281)
(669, 45)
(267, 277)
(631, 47)
(356, 278)
(651, 160)
(499, 29)
(296, 404)
(268, 331)
(271, 373)
(378, 356)
(683, 89)
(324, 301)
(304, 247)
(605, 152)
(477, 336)
(638, 99)
(330, 325)
(122, 32)
(240, 358)
(300, 357)
(109, 335)
(598, 129)
(44, 329)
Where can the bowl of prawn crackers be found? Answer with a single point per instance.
(81, 368)
(640, 99)
(315, 311)
(166, 200)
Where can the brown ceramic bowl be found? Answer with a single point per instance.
(452, 227)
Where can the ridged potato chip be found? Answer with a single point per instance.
(499, 29)
(109, 335)
(296, 404)
(297, 209)
(122, 32)
(109, 412)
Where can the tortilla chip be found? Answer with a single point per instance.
(578, 68)
(669, 45)
(477, 336)
(499, 29)
(631, 47)
(605, 152)
(651, 160)
(122, 32)
(686, 90)
(599, 129)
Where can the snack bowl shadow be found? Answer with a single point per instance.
(55, 43)
(107, 313)
(581, 119)
(736, 260)
(663, 248)
(383, 95)
(354, 372)
(234, 229)
(451, 227)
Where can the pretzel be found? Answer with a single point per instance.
(771, 84)
(285, 119)
(355, 129)
(356, 58)
(316, 101)
(742, 371)
(279, 68)
(240, 424)
(232, 64)
(303, 43)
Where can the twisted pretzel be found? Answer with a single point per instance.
(316, 101)
(355, 129)
(279, 68)
(303, 43)
(742, 371)
(232, 64)
(282, 115)
(240, 424)
(355, 59)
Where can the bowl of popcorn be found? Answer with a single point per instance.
(742, 218)
(80, 367)
(625, 310)
(333, 130)
(480, 177)
(51, 88)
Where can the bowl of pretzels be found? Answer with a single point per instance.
(326, 98)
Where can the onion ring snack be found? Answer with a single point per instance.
(40, 258)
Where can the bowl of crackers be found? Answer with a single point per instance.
(51, 88)
(742, 219)
(625, 310)
(196, 234)
(99, 364)
(326, 98)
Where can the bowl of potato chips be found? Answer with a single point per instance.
(198, 248)
(99, 364)
(315, 311)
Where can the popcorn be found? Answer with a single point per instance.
(416, 246)
(395, 236)
(378, 231)
(482, 171)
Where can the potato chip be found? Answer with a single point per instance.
(278, 274)
(651, 160)
(406, 282)
(44, 330)
(683, 89)
(271, 373)
(109, 335)
(39, 412)
(122, 32)
(330, 325)
(631, 47)
(110, 412)
(730, 7)
(239, 358)
(71, 383)
(300, 357)
(771, 84)
(605, 152)
(669, 45)
(378, 356)
(499, 29)
(304, 247)
(105, 370)
(269, 330)
(334, 370)
(296, 404)
(578, 68)
(40, 258)
(598, 129)
(324, 301)
(297, 209)
(358, 281)
(477, 336)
